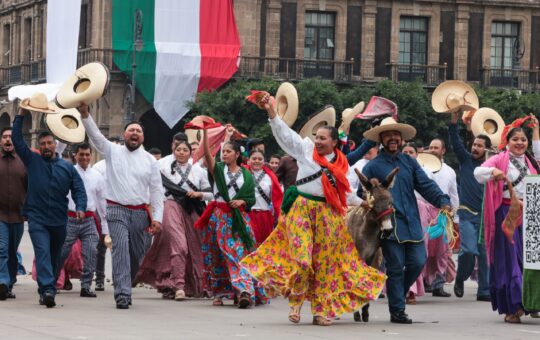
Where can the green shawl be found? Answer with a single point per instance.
(246, 193)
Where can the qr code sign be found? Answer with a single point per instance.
(531, 223)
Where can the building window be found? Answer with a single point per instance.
(27, 44)
(6, 45)
(84, 32)
(319, 44)
(413, 37)
(505, 53)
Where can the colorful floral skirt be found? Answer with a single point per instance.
(311, 256)
(174, 261)
(222, 252)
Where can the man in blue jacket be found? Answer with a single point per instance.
(403, 250)
(470, 211)
(50, 179)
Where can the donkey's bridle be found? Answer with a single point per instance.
(384, 213)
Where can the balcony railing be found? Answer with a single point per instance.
(103, 55)
(524, 80)
(295, 69)
(430, 75)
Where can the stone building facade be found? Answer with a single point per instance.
(493, 42)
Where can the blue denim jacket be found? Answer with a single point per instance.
(406, 219)
(49, 182)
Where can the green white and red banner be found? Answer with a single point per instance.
(189, 46)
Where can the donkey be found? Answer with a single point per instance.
(366, 226)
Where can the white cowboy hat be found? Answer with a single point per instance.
(323, 117)
(488, 122)
(429, 161)
(86, 85)
(389, 124)
(38, 102)
(66, 126)
(193, 135)
(287, 103)
(348, 115)
(453, 95)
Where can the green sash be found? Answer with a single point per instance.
(246, 193)
(292, 193)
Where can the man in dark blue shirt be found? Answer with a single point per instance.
(470, 211)
(50, 179)
(404, 250)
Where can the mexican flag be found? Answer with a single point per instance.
(189, 46)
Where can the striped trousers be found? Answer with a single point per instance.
(130, 244)
(86, 231)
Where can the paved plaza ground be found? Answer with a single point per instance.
(153, 318)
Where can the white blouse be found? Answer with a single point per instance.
(484, 174)
(197, 175)
(266, 186)
(302, 150)
(232, 192)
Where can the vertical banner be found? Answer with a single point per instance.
(531, 223)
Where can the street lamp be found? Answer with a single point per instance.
(138, 45)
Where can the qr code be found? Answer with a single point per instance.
(531, 214)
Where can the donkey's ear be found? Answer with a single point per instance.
(363, 179)
(389, 180)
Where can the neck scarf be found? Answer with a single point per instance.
(335, 196)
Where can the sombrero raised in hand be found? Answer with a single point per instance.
(66, 126)
(86, 85)
(349, 114)
(487, 121)
(454, 95)
(202, 122)
(429, 161)
(323, 117)
(38, 103)
(287, 103)
(379, 107)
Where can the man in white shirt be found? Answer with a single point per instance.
(133, 182)
(88, 230)
(439, 254)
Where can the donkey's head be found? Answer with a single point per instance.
(381, 204)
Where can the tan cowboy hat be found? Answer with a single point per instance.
(193, 135)
(389, 124)
(323, 117)
(38, 102)
(86, 85)
(287, 103)
(429, 161)
(348, 115)
(66, 126)
(488, 122)
(453, 95)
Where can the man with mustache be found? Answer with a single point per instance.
(50, 178)
(13, 181)
(470, 211)
(403, 250)
(133, 182)
(439, 254)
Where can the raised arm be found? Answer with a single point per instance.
(210, 161)
(99, 141)
(357, 154)
(19, 144)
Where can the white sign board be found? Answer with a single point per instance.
(531, 223)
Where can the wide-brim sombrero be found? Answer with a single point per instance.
(487, 121)
(323, 117)
(389, 124)
(86, 85)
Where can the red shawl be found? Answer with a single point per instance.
(277, 193)
(336, 197)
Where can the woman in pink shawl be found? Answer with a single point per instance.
(505, 256)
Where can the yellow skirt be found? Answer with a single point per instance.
(311, 255)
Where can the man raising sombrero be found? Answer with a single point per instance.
(404, 251)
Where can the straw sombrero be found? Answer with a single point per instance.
(86, 85)
(348, 115)
(323, 117)
(38, 103)
(66, 126)
(389, 124)
(454, 95)
(193, 135)
(429, 161)
(287, 103)
(488, 122)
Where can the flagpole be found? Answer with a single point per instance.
(137, 45)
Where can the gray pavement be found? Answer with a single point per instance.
(153, 318)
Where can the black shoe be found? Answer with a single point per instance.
(85, 292)
(458, 289)
(244, 301)
(129, 300)
(122, 302)
(100, 287)
(485, 298)
(400, 317)
(67, 284)
(11, 295)
(440, 292)
(427, 288)
(3, 291)
(48, 300)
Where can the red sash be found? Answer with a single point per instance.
(92, 214)
(207, 213)
(144, 207)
